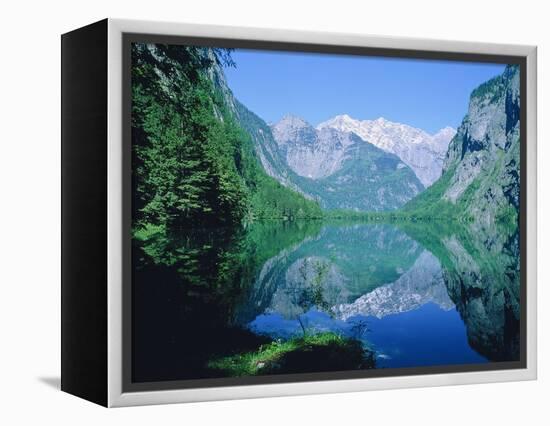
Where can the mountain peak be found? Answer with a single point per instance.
(291, 120)
(289, 129)
(342, 122)
(418, 149)
(342, 117)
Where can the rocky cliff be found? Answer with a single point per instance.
(311, 153)
(480, 177)
(266, 148)
(484, 155)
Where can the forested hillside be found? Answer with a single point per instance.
(193, 164)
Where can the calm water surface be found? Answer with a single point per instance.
(415, 294)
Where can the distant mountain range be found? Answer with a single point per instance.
(341, 170)
(380, 165)
(422, 152)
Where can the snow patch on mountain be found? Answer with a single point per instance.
(422, 152)
(341, 170)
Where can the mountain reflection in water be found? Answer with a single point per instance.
(415, 294)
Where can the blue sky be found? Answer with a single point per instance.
(422, 93)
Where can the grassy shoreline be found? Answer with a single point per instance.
(310, 353)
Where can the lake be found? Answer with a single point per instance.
(410, 293)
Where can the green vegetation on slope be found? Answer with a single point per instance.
(217, 264)
(309, 353)
(271, 200)
(370, 179)
(193, 165)
(430, 203)
(493, 88)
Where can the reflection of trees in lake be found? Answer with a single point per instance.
(194, 294)
(219, 265)
(188, 288)
(307, 286)
(476, 269)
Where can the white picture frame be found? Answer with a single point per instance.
(115, 391)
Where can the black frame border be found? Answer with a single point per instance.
(128, 38)
(84, 185)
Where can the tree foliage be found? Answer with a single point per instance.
(193, 165)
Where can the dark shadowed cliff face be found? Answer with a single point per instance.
(492, 122)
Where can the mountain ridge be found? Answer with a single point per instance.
(341, 170)
(420, 150)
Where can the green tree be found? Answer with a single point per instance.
(193, 165)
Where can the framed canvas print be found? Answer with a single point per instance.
(252, 213)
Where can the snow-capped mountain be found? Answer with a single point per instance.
(341, 170)
(422, 152)
(309, 152)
